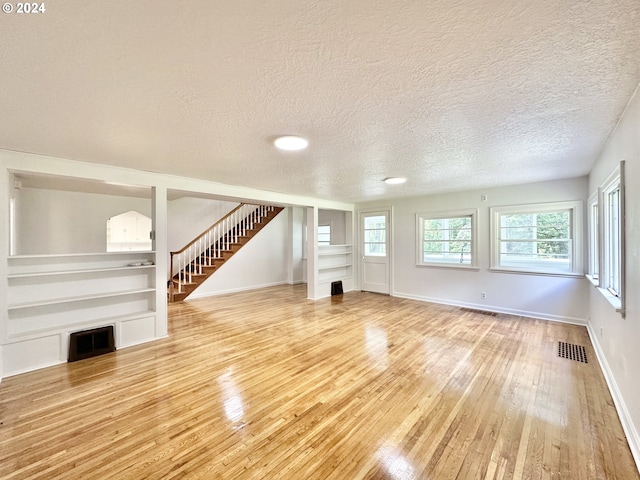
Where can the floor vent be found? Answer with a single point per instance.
(481, 312)
(91, 343)
(572, 352)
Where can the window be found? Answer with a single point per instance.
(612, 238)
(447, 239)
(540, 238)
(324, 234)
(594, 240)
(375, 235)
(12, 226)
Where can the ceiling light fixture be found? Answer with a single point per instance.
(291, 142)
(394, 180)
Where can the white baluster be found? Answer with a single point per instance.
(235, 228)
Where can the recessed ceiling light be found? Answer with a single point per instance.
(395, 180)
(291, 142)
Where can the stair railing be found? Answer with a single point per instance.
(211, 244)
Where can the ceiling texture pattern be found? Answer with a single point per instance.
(453, 95)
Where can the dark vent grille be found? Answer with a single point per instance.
(572, 352)
(481, 312)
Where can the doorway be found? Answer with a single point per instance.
(374, 245)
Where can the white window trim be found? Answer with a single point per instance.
(420, 217)
(595, 241)
(613, 180)
(577, 233)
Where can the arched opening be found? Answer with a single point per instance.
(129, 231)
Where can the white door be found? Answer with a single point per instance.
(374, 245)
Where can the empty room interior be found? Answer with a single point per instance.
(320, 240)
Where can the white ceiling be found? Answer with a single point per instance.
(451, 94)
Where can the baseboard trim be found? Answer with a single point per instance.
(39, 366)
(633, 438)
(492, 308)
(195, 296)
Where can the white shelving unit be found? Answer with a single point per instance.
(335, 262)
(51, 296)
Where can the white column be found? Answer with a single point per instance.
(160, 246)
(312, 253)
(5, 178)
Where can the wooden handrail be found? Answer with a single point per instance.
(207, 230)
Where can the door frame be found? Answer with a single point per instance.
(359, 243)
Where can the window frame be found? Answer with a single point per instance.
(473, 251)
(324, 242)
(594, 221)
(576, 233)
(615, 296)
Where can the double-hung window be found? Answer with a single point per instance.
(612, 237)
(594, 240)
(607, 239)
(447, 239)
(538, 238)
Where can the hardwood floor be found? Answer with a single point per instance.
(266, 384)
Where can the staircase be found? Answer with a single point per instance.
(206, 253)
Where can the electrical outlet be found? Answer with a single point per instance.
(483, 295)
(483, 198)
(600, 332)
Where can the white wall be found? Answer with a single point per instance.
(337, 220)
(189, 217)
(548, 297)
(618, 345)
(58, 222)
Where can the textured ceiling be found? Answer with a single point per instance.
(451, 94)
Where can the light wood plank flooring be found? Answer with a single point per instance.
(266, 384)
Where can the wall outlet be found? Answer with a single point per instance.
(600, 332)
(483, 198)
(483, 295)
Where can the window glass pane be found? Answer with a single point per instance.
(537, 241)
(324, 234)
(613, 234)
(594, 246)
(375, 222)
(375, 249)
(446, 240)
(375, 235)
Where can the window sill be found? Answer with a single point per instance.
(594, 280)
(544, 274)
(612, 299)
(447, 266)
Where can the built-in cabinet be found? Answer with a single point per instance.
(51, 296)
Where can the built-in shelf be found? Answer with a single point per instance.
(51, 296)
(75, 272)
(332, 267)
(79, 298)
(335, 262)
